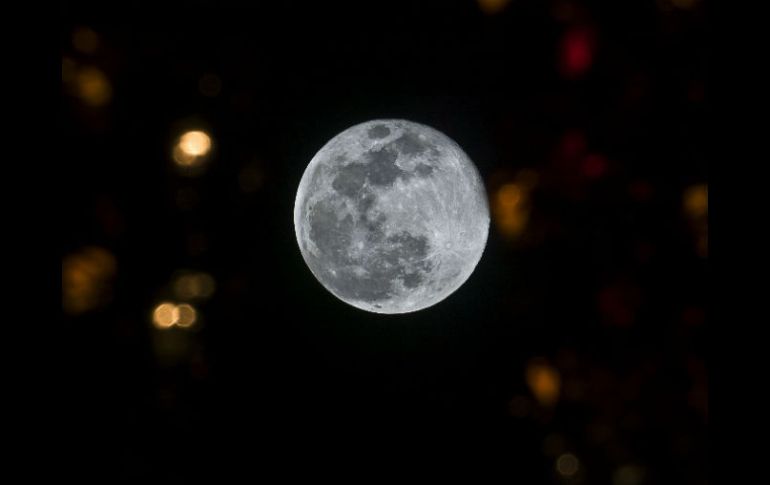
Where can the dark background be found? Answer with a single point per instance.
(573, 354)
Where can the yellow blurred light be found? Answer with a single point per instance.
(509, 196)
(192, 149)
(85, 40)
(186, 315)
(193, 286)
(567, 465)
(511, 204)
(491, 7)
(93, 87)
(184, 159)
(510, 212)
(545, 383)
(195, 143)
(165, 315)
(86, 277)
(696, 200)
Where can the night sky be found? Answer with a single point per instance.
(205, 350)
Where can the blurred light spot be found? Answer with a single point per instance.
(628, 475)
(696, 200)
(491, 7)
(209, 85)
(186, 315)
(194, 286)
(511, 206)
(86, 279)
(195, 143)
(696, 207)
(594, 166)
(85, 40)
(577, 52)
(165, 315)
(510, 215)
(544, 381)
(93, 87)
(182, 158)
(68, 70)
(250, 178)
(509, 196)
(192, 149)
(567, 465)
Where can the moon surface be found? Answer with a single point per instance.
(391, 216)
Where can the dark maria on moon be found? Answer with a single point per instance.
(391, 216)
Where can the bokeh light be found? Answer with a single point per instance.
(86, 279)
(85, 40)
(186, 315)
(491, 7)
(195, 143)
(696, 201)
(92, 86)
(576, 52)
(544, 381)
(192, 149)
(695, 204)
(194, 286)
(594, 166)
(168, 314)
(165, 315)
(567, 465)
(511, 204)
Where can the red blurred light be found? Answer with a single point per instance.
(577, 52)
(594, 166)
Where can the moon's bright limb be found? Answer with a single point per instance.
(391, 216)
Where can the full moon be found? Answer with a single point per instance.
(391, 216)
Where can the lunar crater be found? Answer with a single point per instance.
(391, 216)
